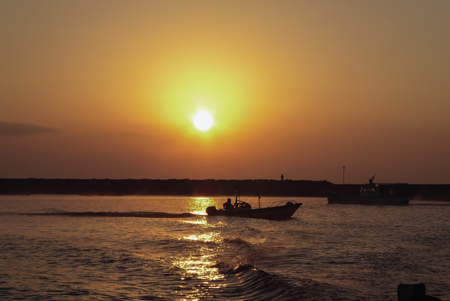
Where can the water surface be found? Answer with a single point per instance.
(325, 252)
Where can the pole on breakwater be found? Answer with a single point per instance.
(343, 175)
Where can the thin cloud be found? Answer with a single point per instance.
(24, 129)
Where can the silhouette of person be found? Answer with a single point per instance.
(282, 177)
(228, 205)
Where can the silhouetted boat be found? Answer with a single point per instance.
(243, 209)
(373, 194)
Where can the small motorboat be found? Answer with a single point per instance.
(243, 209)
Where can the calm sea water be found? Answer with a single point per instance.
(325, 252)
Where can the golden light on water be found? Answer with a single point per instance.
(204, 223)
(198, 205)
(196, 222)
(208, 237)
(202, 266)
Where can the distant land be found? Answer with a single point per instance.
(209, 187)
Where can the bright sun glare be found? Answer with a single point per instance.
(203, 121)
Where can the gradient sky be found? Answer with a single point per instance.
(108, 89)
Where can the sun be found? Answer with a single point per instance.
(203, 121)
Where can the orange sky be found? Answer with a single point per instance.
(108, 89)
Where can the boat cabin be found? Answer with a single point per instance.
(384, 190)
(242, 205)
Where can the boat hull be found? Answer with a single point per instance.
(272, 213)
(335, 198)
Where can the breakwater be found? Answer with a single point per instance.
(184, 187)
(208, 187)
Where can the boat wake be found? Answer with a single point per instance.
(246, 282)
(113, 214)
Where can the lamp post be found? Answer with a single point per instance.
(343, 175)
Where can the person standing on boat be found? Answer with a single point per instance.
(228, 205)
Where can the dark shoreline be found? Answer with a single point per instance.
(186, 187)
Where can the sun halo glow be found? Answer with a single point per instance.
(203, 121)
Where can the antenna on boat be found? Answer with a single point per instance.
(238, 194)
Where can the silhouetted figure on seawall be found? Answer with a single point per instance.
(414, 292)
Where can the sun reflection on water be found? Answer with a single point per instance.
(203, 222)
(198, 205)
(201, 264)
(196, 222)
(207, 237)
(200, 267)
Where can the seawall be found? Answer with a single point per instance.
(208, 187)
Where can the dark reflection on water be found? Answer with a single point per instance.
(337, 252)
